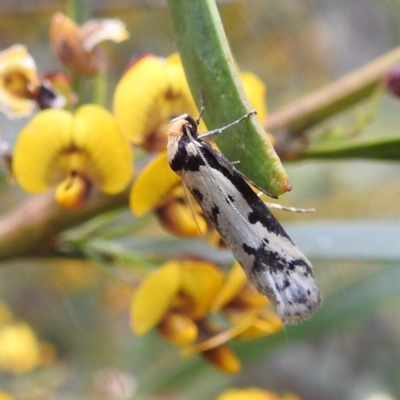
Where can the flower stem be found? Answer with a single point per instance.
(78, 10)
(100, 88)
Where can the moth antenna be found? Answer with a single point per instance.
(202, 108)
(203, 234)
(220, 130)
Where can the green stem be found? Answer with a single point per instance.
(379, 148)
(100, 88)
(78, 10)
(212, 75)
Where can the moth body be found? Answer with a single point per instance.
(270, 259)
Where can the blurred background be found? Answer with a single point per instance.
(351, 349)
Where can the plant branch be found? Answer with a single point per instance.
(331, 99)
(31, 227)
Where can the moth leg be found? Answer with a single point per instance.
(291, 209)
(220, 130)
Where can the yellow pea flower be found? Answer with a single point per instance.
(20, 350)
(181, 299)
(158, 188)
(151, 92)
(74, 152)
(173, 298)
(154, 90)
(241, 302)
(249, 319)
(18, 78)
(20, 88)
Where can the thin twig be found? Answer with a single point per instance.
(336, 97)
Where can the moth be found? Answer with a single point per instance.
(270, 259)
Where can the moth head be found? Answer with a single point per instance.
(184, 125)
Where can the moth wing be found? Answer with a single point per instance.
(228, 165)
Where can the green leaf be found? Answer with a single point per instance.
(212, 75)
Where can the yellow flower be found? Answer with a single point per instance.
(19, 350)
(158, 187)
(155, 90)
(240, 301)
(18, 79)
(173, 297)
(245, 309)
(74, 153)
(181, 299)
(150, 93)
(77, 47)
(253, 394)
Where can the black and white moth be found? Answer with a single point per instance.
(270, 259)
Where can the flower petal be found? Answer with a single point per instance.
(155, 181)
(98, 30)
(267, 325)
(201, 281)
(66, 40)
(151, 93)
(138, 98)
(73, 192)
(256, 92)
(218, 339)
(154, 297)
(19, 350)
(38, 145)
(223, 358)
(234, 282)
(178, 329)
(178, 218)
(18, 76)
(96, 132)
(249, 298)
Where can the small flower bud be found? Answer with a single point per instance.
(392, 80)
(77, 47)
